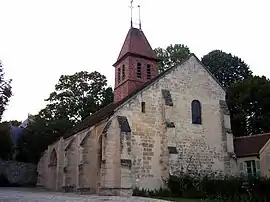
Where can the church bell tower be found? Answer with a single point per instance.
(136, 64)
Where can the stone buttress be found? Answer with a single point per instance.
(116, 178)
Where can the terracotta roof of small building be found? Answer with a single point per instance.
(250, 145)
(136, 44)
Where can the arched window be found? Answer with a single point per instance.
(53, 158)
(196, 112)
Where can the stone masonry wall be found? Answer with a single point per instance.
(19, 173)
(110, 178)
(193, 147)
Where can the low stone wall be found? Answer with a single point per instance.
(18, 173)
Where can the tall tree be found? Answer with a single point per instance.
(15, 122)
(77, 96)
(6, 145)
(249, 106)
(228, 69)
(171, 56)
(37, 136)
(5, 91)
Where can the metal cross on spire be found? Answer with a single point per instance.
(140, 22)
(131, 7)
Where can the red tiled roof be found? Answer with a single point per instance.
(250, 145)
(136, 44)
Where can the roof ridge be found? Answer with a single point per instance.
(250, 136)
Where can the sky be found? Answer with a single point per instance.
(42, 40)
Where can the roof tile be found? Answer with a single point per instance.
(136, 44)
(250, 145)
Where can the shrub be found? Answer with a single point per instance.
(224, 188)
(162, 192)
(3, 181)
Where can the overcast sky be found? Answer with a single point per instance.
(41, 40)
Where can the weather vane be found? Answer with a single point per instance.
(131, 7)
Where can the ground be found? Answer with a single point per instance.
(39, 195)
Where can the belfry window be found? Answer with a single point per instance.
(196, 112)
(139, 70)
(119, 75)
(148, 71)
(123, 72)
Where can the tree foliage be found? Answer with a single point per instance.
(5, 91)
(228, 69)
(75, 97)
(37, 136)
(171, 56)
(248, 102)
(6, 145)
(15, 122)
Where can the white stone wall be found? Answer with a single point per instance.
(199, 147)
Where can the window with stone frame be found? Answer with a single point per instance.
(139, 70)
(123, 72)
(148, 71)
(143, 107)
(119, 75)
(53, 158)
(196, 112)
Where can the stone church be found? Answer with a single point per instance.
(158, 124)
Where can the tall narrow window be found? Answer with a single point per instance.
(119, 75)
(196, 112)
(148, 71)
(123, 72)
(143, 107)
(139, 70)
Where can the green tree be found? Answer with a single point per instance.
(171, 56)
(77, 96)
(228, 69)
(38, 135)
(5, 91)
(6, 145)
(248, 102)
(15, 122)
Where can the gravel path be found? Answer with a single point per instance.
(39, 195)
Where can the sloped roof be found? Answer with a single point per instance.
(250, 145)
(109, 109)
(136, 44)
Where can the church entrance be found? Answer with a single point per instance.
(52, 170)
